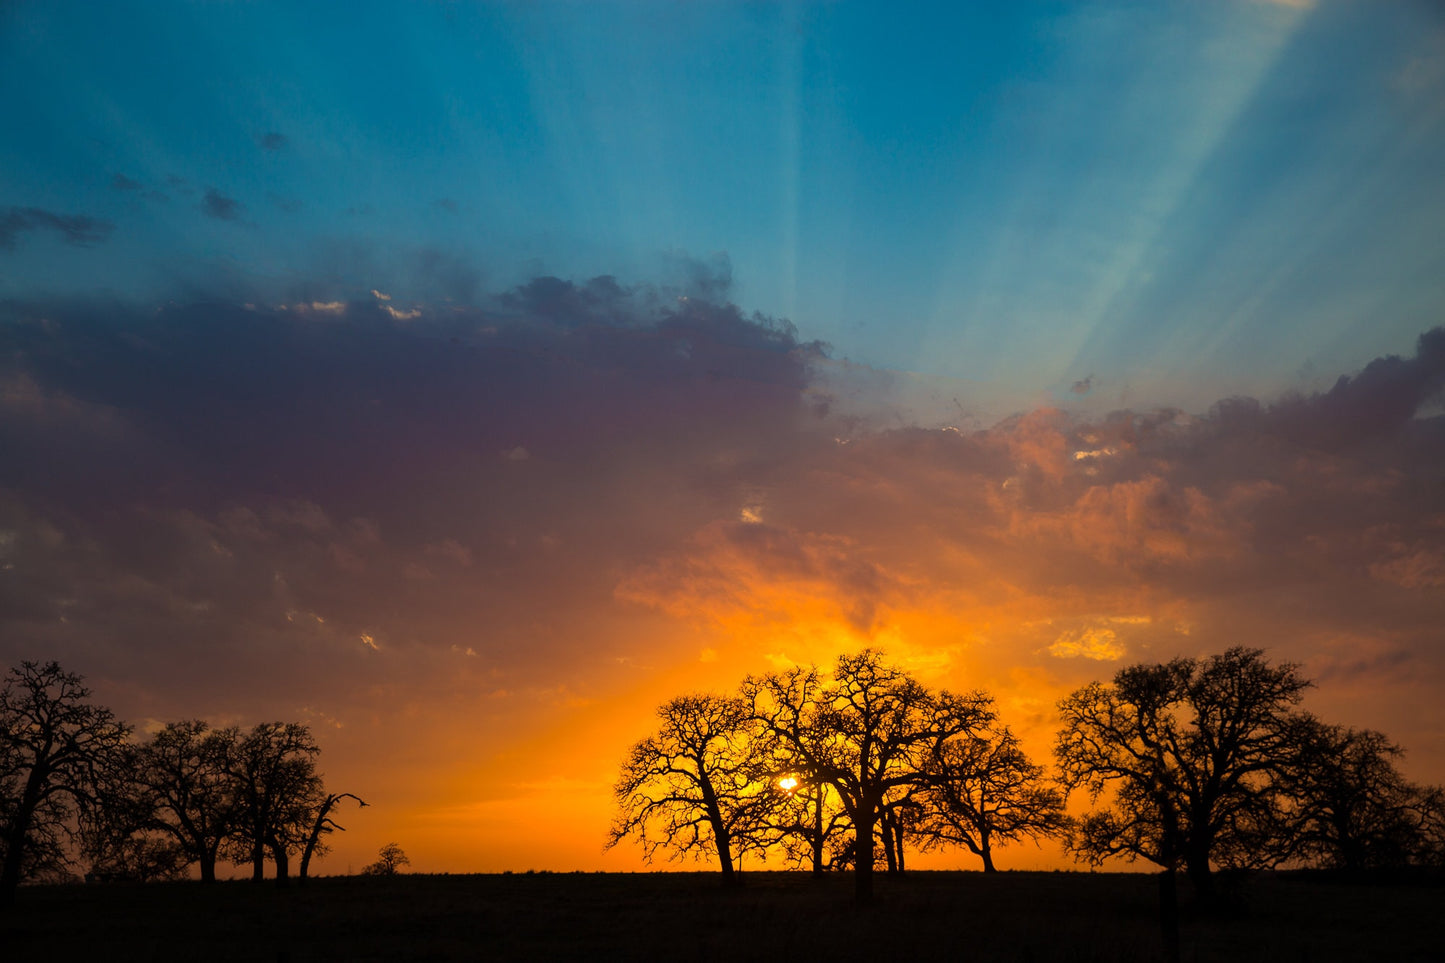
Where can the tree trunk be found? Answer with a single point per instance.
(987, 855)
(719, 828)
(898, 835)
(15, 838)
(863, 853)
(208, 866)
(283, 866)
(1197, 865)
(818, 832)
(890, 854)
(258, 861)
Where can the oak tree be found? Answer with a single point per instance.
(1194, 751)
(985, 790)
(688, 788)
(54, 745)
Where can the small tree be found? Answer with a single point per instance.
(389, 860)
(986, 790)
(806, 821)
(688, 788)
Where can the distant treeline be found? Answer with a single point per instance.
(1194, 765)
(76, 790)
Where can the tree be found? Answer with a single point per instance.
(322, 825)
(870, 732)
(389, 860)
(986, 790)
(186, 771)
(1194, 750)
(688, 787)
(53, 745)
(116, 829)
(273, 772)
(806, 821)
(1352, 808)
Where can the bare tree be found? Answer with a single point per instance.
(53, 744)
(1194, 750)
(185, 770)
(116, 827)
(870, 732)
(688, 788)
(985, 791)
(806, 822)
(323, 825)
(1353, 809)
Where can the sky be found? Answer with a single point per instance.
(466, 380)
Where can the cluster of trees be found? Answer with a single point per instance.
(832, 771)
(1195, 764)
(75, 784)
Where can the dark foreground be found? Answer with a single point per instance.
(685, 916)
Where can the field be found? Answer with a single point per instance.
(671, 916)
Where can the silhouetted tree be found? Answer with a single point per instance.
(870, 731)
(1353, 809)
(1194, 749)
(389, 860)
(806, 822)
(54, 743)
(185, 771)
(986, 790)
(116, 828)
(273, 773)
(322, 824)
(688, 788)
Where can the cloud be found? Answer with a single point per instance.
(610, 492)
(81, 230)
(271, 140)
(122, 183)
(222, 208)
(1100, 644)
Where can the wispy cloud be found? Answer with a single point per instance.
(81, 230)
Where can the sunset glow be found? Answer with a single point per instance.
(464, 381)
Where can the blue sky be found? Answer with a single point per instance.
(1177, 196)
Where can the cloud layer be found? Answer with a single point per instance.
(460, 539)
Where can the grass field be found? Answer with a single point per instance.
(687, 916)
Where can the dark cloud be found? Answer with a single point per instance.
(222, 208)
(122, 183)
(264, 467)
(271, 140)
(1083, 386)
(447, 204)
(78, 229)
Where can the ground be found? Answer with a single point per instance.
(675, 916)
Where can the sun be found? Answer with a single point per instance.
(788, 783)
